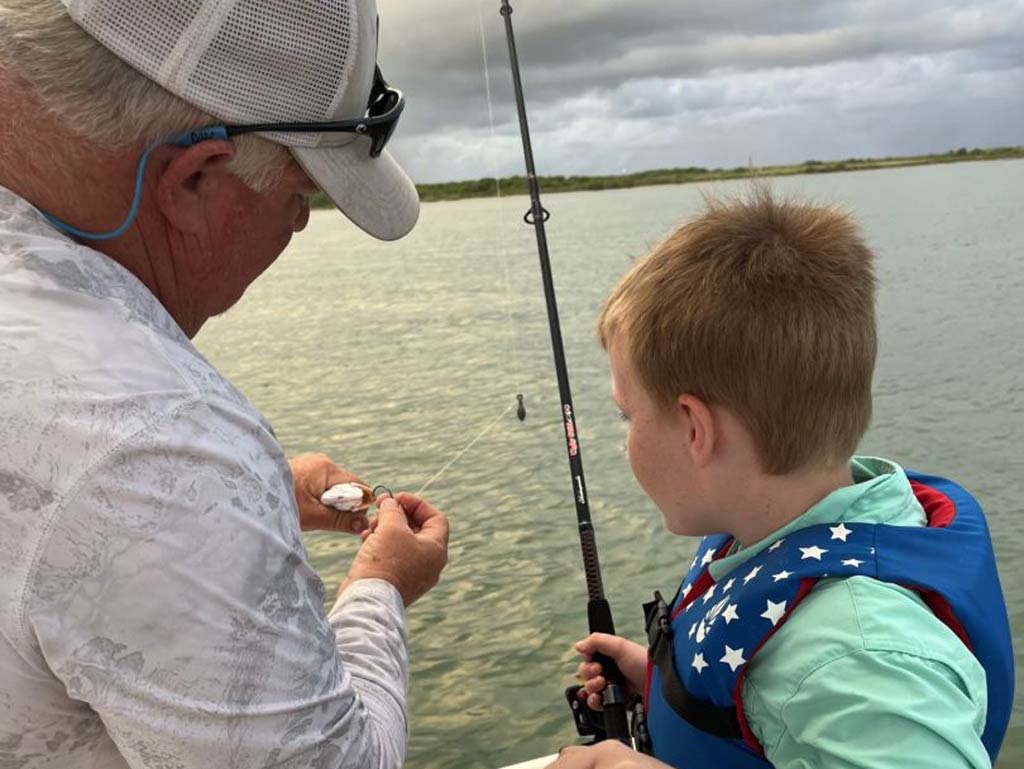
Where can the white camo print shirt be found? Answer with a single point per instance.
(157, 608)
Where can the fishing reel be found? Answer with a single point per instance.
(590, 722)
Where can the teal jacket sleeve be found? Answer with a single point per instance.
(875, 710)
(863, 676)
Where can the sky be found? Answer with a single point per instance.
(614, 86)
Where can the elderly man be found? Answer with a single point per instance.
(157, 608)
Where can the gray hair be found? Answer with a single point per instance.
(97, 96)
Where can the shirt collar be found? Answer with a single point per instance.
(880, 494)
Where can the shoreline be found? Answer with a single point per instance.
(517, 185)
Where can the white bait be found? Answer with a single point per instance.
(347, 497)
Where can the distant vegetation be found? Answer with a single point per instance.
(517, 185)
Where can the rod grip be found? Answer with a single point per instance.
(616, 721)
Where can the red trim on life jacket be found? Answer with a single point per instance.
(647, 682)
(940, 509)
(806, 586)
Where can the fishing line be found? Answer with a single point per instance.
(468, 446)
(502, 230)
(503, 251)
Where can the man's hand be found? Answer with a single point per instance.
(313, 475)
(630, 657)
(407, 545)
(609, 754)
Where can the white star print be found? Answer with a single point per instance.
(782, 575)
(709, 556)
(852, 562)
(753, 573)
(711, 592)
(733, 657)
(699, 663)
(774, 612)
(730, 613)
(812, 552)
(686, 590)
(693, 629)
(728, 586)
(702, 632)
(840, 532)
(776, 546)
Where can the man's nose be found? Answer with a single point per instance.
(302, 216)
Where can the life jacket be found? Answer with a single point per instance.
(701, 644)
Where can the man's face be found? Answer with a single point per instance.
(657, 443)
(248, 231)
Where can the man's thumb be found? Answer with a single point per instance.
(392, 513)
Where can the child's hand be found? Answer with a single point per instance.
(630, 657)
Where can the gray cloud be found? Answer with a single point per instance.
(617, 86)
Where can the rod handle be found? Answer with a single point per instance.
(616, 723)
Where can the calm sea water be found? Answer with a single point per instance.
(391, 358)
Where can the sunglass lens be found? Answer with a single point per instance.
(383, 103)
(381, 137)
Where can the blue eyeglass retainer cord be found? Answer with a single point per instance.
(186, 139)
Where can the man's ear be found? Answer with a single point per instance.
(184, 180)
(703, 430)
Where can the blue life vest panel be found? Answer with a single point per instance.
(702, 644)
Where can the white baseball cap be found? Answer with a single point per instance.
(271, 61)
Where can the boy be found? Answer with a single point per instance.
(850, 617)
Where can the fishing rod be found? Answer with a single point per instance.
(599, 612)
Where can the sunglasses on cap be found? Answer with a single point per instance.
(382, 113)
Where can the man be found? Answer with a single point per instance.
(157, 608)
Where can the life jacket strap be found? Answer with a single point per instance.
(705, 716)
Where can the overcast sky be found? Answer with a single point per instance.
(626, 85)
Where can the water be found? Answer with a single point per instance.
(391, 358)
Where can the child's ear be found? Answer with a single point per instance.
(703, 435)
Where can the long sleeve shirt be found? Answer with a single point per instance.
(157, 607)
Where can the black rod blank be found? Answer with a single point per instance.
(598, 611)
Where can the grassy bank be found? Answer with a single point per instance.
(517, 185)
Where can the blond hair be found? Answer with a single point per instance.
(766, 308)
(98, 97)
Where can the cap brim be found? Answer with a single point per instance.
(374, 193)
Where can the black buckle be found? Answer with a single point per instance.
(638, 728)
(658, 620)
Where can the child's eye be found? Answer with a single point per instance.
(623, 415)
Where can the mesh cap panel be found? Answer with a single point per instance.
(277, 61)
(143, 34)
